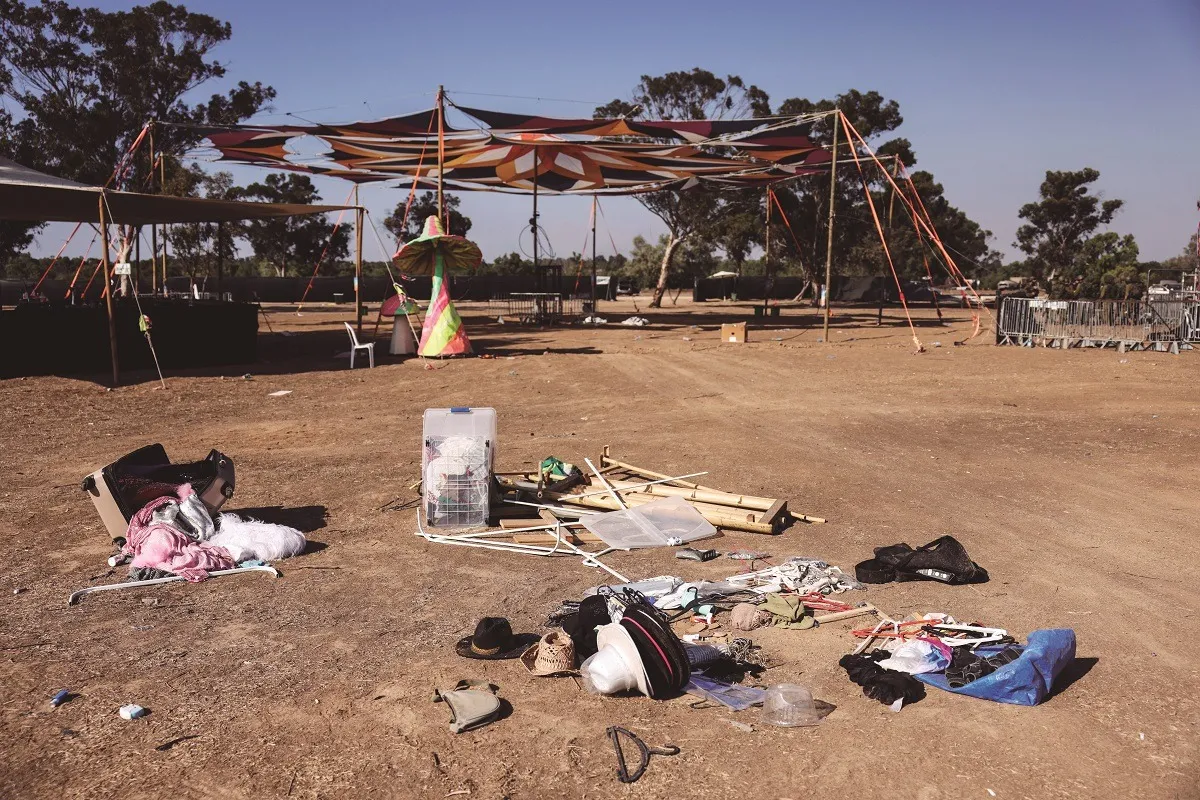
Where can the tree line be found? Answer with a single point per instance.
(83, 82)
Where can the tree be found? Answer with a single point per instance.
(1062, 220)
(1189, 259)
(966, 240)
(1106, 266)
(201, 248)
(698, 94)
(86, 81)
(294, 242)
(425, 205)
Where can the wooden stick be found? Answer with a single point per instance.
(604, 481)
(520, 523)
(714, 496)
(633, 486)
(606, 461)
(865, 608)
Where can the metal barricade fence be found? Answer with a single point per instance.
(1165, 324)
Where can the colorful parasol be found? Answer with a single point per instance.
(421, 255)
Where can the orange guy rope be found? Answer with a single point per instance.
(883, 238)
(317, 266)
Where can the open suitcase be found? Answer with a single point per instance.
(119, 490)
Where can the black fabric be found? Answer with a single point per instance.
(874, 570)
(945, 557)
(885, 685)
(581, 626)
(967, 667)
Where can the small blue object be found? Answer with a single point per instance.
(60, 697)
(460, 410)
(252, 562)
(1024, 682)
(730, 695)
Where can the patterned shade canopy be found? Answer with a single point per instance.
(516, 152)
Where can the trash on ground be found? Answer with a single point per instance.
(594, 320)
(472, 704)
(279, 393)
(944, 559)
(789, 705)
(636, 322)
(624, 775)
(60, 697)
(132, 711)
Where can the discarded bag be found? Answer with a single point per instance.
(944, 559)
(472, 704)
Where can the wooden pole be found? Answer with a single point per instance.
(358, 239)
(220, 257)
(441, 119)
(891, 207)
(533, 222)
(767, 254)
(137, 261)
(153, 227)
(162, 177)
(105, 265)
(594, 201)
(829, 237)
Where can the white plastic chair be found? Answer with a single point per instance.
(355, 346)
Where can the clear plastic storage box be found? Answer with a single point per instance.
(456, 465)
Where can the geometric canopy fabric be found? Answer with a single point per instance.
(517, 152)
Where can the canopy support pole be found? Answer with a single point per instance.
(767, 256)
(891, 208)
(358, 236)
(829, 238)
(594, 255)
(533, 222)
(153, 227)
(108, 299)
(162, 185)
(441, 120)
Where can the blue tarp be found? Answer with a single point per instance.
(1024, 682)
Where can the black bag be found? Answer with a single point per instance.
(943, 559)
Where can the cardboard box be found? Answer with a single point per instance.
(733, 332)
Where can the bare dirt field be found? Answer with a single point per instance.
(1070, 476)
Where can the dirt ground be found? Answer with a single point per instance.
(1068, 475)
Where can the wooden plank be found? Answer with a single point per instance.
(520, 523)
(576, 537)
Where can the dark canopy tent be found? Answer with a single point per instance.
(32, 196)
(29, 195)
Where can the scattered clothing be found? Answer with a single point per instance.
(747, 617)
(788, 611)
(1026, 681)
(878, 683)
(148, 574)
(248, 539)
(161, 545)
(967, 667)
(636, 322)
(801, 575)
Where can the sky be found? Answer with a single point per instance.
(993, 94)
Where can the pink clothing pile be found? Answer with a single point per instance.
(159, 545)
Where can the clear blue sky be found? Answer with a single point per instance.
(993, 94)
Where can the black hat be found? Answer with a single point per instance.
(662, 653)
(581, 626)
(494, 639)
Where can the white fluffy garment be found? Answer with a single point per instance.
(247, 539)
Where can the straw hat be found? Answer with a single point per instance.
(553, 654)
(616, 666)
